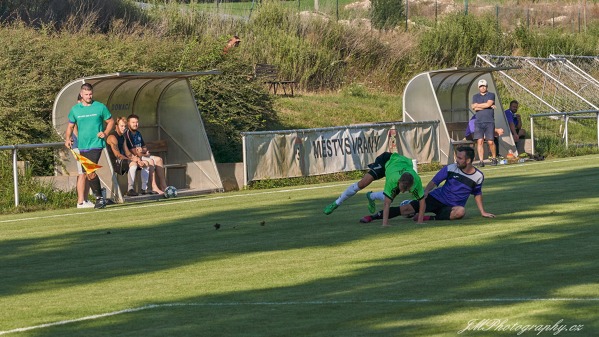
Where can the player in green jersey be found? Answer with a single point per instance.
(400, 178)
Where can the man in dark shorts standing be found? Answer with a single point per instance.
(483, 104)
(448, 201)
(89, 116)
(399, 176)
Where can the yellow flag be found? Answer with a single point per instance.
(87, 164)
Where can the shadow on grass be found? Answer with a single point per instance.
(418, 293)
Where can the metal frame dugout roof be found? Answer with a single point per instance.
(446, 95)
(167, 110)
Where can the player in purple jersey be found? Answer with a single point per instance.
(448, 201)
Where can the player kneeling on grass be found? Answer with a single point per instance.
(447, 202)
(399, 176)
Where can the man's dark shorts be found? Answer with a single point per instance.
(93, 155)
(484, 130)
(377, 169)
(121, 166)
(442, 211)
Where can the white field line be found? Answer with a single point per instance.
(116, 209)
(295, 303)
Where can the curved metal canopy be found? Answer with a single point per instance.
(167, 109)
(446, 95)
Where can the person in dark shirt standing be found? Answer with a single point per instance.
(483, 104)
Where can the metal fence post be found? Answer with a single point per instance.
(15, 168)
(407, 14)
(497, 16)
(532, 135)
(244, 154)
(436, 9)
(15, 175)
(566, 129)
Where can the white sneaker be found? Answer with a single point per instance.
(86, 204)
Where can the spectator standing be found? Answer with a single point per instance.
(89, 117)
(483, 104)
(83, 191)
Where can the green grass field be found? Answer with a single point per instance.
(278, 267)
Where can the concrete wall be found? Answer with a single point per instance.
(64, 183)
(524, 145)
(231, 175)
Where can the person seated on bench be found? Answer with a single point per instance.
(137, 145)
(123, 160)
(470, 128)
(515, 121)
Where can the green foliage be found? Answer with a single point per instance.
(553, 147)
(458, 38)
(230, 104)
(28, 187)
(541, 44)
(39, 65)
(356, 90)
(304, 49)
(549, 141)
(322, 54)
(326, 109)
(71, 14)
(387, 14)
(168, 18)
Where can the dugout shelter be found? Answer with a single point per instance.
(167, 111)
(446, 95)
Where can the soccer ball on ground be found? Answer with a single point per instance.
(40, 197)
(170, 192)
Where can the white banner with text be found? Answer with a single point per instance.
(308, 152)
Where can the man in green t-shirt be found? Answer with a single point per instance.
(400, 178)
(89, 116)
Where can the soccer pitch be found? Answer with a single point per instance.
(276, 266)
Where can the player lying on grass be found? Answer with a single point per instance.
(448, 201)
(400, 178)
